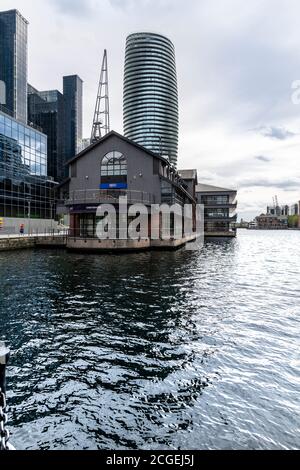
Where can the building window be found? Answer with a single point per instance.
(216, 213)
(215, 200)
(114, 164)
(167, 192)
(74, 170)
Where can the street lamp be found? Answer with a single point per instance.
(85, 188)
(29, 220)
(51, 215)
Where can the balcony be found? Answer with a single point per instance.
(220, 218)
(221, 206)
(97, 196)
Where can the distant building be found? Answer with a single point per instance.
(151, 95)
(72, 90)
(60, 117)
(243, 224)
(295, 209)
(13, 64)
(219, 210)
(278, 210)
(114, 167)
(26, 192)
(271, 222)
(46, 109)
(285, 210)
(85, 143)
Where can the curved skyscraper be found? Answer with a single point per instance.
(150, 94)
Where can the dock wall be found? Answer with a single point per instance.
(22, 243)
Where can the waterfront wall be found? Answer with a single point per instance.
(9, 244)
(21, 243)
(95, 245)
(81, 244)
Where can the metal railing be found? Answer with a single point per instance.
(99, 196)
(220, 218)
(121, 234)
(88, 234)
(12, 232)
(228, 205)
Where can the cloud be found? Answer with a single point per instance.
(262, 158)
(74, 7)
(279, 133)
(236, 62)
(126, 4)
(120, 3)
(285, 184)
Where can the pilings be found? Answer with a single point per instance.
(4, 358)
(4, 433)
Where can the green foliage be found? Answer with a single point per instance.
(293, 221)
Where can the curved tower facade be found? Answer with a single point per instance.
(150, 105)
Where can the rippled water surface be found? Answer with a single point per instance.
(191, 350)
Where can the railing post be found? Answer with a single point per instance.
(4, 358)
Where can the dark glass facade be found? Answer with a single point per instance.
(13, 63)
(24, 185)
(219, 210)
(72, 90)
(46, 109)
(150, 94)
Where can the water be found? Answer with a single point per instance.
(191, 350)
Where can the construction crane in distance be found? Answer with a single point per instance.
(276, 207)
(101, 121)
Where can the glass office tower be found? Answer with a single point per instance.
(60, 117)
(46, 109)
(25, 188)
(150, 94)
(72, 90)
(13, 63)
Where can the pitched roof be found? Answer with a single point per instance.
(207, 188)
(120, 136)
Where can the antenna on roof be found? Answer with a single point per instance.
(101, 122)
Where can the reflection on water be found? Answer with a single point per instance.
(155, 350)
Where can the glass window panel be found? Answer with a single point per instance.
(27, 140)
(114, 164)
(7, 131)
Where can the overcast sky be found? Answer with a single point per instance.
(236, 63)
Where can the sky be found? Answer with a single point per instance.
(237, 63)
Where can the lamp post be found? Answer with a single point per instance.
(85, 186)
(29, 215)
(51, 215)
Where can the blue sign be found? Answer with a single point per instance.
(113, 186)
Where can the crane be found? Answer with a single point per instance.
(101, 121)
